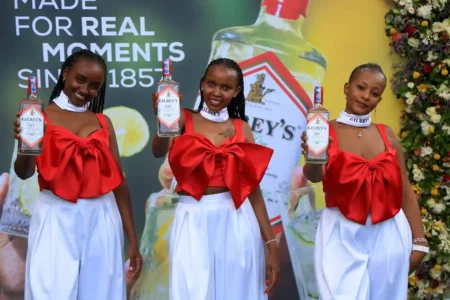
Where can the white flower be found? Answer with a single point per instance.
(426, 151)
(435, 118)
(424, 11)
(444, 91)
(435, 274)
(437, 4)
(432, 56)
(438, 208)
(446, 129)
(431, 202)
(441, 26)
(417, 174)
(431, 111)
(425, 127)
(410, 97)
(413, 42)
(447, 192)
(410, 85)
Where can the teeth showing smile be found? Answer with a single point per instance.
(79, 96)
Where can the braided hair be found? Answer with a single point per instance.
(95, 105)
(366, 67)
(236, 108)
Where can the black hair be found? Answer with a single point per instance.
(97, 104)
(365, 67)
(236, 108)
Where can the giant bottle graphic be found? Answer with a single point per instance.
(280, 71)
(19, 203)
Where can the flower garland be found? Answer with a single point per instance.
(419, 31)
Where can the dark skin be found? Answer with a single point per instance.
(363, 94)
(82, 82)
(219, 87)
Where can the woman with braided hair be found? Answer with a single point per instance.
(220, 224)
(75, 243)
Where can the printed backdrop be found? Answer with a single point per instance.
(282, 59)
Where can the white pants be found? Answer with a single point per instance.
(216, 251)
(75, 251)
(355, 262)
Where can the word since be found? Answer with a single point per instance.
(64, 4)
(117, 78)
(106, 26)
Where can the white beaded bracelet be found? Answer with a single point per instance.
(420, 248)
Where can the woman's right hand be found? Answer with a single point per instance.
(17, 129)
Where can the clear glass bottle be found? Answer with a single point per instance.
(317, 130)
(31, 121)
(169, 108)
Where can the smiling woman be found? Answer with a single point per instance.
(76, 227)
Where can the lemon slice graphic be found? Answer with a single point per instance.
(131, 129)
(29, 191)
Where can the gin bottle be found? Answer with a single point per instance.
(168, 103)
(31, 121)
(317, 130)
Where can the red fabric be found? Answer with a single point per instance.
(73, 167)
(197, 163)
(357, 186)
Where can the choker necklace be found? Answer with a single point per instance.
(63, 102)
(354, 120)
(363, 121)
(214, 116)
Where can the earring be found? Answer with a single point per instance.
(64, 79)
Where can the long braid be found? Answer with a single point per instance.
(97, 104)
(236, 108)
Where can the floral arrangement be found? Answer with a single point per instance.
(419, 33)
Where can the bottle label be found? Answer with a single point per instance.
(168, 107)
(32, 125)
(276, 109)
(317, 132)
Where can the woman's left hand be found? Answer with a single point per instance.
(135, 260)
(272, 267)
(415, 260)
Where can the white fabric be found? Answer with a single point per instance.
(64, 103)
(214, 116)
(75, 251)
(355, 262)
(354, 120)
(216, 252)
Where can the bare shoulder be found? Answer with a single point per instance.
(247, 132)
(392, 137)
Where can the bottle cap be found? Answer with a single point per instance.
(318, 95)
(286, 9)
(167, 67)
(32, 85)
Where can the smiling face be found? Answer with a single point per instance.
(83, 81)
(364, 92)
(219, 86)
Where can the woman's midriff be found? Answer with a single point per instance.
(209, 191)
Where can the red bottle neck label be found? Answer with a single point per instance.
(32, 85)
(286, 9)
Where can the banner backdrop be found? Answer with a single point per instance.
(284, 51)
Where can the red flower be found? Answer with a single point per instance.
(396, 36)
(444, 36)
(417, 151)
(446, 178)
(435, 284)
(427, 68)
(410, 30)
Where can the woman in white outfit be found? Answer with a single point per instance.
(370, 235)
(75, 242)
(221, 223)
